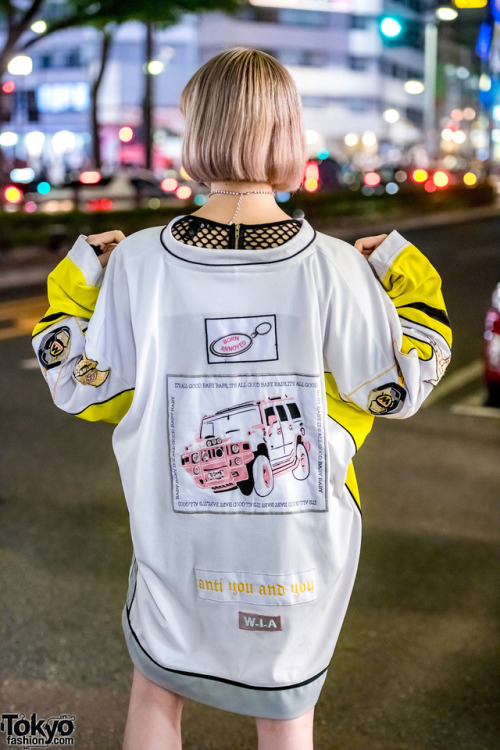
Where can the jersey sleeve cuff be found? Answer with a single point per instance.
(383, 257)
(87, 261)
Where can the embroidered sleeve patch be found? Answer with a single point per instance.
(388, 399)
(86, 372)
(55, 348)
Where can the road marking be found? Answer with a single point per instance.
(473, 405)
(19, 317)
(455, 382)
(29, 364)
(476, 411)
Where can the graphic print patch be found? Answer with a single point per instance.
(245, 339)
(86, 372)
(388, 399)
(247, 444)
(55, 348)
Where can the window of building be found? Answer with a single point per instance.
(73, 58)
(314, 57)
(360, 22)
(413, 75)
(361, 104)
(290, 56)
(416, 5)
(63, 97)
(258, 14)
(32, 106)
(315, 102)
(389, 68)
(416, 116)
(359, 63)
(291, 17)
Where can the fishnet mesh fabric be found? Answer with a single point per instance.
(193, 230)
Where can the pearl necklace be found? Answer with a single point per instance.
(241, 194)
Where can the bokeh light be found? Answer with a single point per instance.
(372, 179)
(419, 175)
(169, 184)
(12, 194)
(184, 192)
(470, 179)
(125, 134)
(441, 179)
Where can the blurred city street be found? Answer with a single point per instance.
(416, 667)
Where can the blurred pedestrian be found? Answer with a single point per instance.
(244, 357)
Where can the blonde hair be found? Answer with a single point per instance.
(243, 121)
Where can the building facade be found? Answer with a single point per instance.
(351, 82)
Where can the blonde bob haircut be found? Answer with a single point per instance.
(243, 121)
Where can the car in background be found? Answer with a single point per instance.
(91, 191)
(491, 349)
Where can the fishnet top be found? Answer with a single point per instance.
(193, 230)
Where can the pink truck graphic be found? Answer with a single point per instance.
(247, 445)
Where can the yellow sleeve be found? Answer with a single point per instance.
(415, 289)
(84, 386)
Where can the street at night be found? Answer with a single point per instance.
(416, 667)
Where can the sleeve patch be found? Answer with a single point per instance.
(86, 372)
(55, 348)
(388, 399)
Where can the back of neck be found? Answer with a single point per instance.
(257, 206)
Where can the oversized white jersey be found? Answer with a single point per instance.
(243, 382)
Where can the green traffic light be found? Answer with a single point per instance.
(390, 27)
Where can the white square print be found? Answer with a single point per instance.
(244, 339)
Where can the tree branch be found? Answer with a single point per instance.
(30, 14)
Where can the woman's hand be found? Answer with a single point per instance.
(106, 241)
(366, 245)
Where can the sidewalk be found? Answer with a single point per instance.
(25, 268)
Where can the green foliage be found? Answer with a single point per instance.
(74, 13)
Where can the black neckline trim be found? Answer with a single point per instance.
(191, 217)
(233, 265)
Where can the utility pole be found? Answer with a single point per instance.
(147, 105)
(430, 74)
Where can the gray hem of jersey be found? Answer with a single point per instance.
(288, 703)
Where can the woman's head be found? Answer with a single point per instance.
(243, 121)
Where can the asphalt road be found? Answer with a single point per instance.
(417, 664)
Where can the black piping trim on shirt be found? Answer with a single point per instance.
(414, 323)
(51, 318)
(234, 265)
(220, 679)
(100, 403)
(432, 312)
(358, 506)
(227, 226)
(427, 343)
